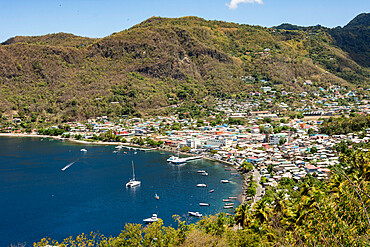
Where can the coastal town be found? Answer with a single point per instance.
(264, 145)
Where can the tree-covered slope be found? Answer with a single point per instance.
(160, 61)
(354, 38)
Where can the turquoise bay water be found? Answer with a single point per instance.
(39, 200)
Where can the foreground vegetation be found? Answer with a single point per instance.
(310, 212)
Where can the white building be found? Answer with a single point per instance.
(219, 142)
(193, 143)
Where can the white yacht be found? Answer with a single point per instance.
(224, 181)
(133, 182)
(176, 160)
(154, 218)
(201, 185)
(195, 214)
(204, 204)
(83, 150)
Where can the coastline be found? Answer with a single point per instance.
(241, 197)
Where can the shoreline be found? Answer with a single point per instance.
(241, 197)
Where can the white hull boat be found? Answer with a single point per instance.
(152, 219)
(195, 214)
(201, 185)
(133, 182)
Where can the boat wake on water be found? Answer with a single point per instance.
(67, 166)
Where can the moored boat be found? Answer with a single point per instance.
(203, 204)
(224, 181)
(226, 200)
(133, 182)
(195, 214)
(201, 185)
(228, 206)
(211, 191)
(154, 218)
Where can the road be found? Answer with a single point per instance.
(257, 179)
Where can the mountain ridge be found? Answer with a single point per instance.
(161, 61)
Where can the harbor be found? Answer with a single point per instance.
(92, 188)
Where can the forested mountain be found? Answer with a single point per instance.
(354, 38)
(163, 60)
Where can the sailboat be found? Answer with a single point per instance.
(133, 182)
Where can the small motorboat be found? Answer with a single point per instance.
(118, 147)
(211, 191)
(228, 206)
(226, 200)
(204, 204)
(227, 169)
(135, 152)
(233, 197)
(83, 150)
(201, 171)
(152, 219)
(156, 196)
(224, 181)
(201, 185)
(205, 174)
(195, 214)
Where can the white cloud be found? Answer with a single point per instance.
(234, 3)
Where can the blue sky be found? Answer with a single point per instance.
(99, 18)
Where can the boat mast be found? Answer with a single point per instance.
(133, 171)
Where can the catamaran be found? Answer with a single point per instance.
(133, 182)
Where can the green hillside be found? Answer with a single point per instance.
(161, 61)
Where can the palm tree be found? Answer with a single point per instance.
(242, 215)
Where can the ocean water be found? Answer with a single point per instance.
(39, 200)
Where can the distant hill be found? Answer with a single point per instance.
(162, 61)
(56, 39)
(354, 38)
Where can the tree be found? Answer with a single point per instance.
(313, 150)
(242, 215)
(247, 166)
(185, 149)
(282, 141)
